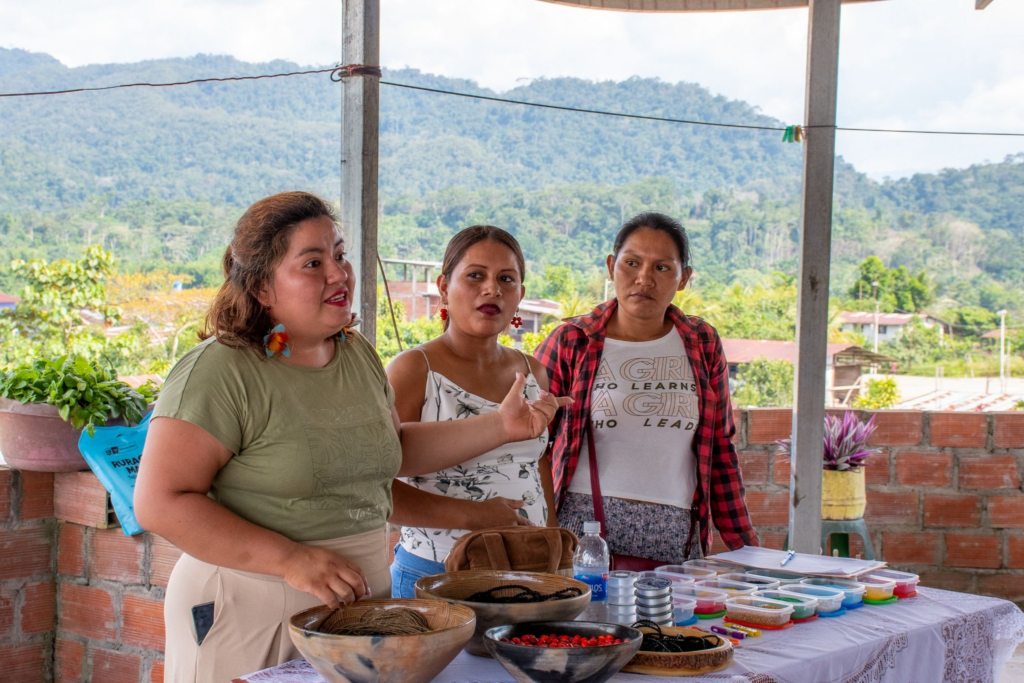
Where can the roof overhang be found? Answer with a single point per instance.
(697, 5)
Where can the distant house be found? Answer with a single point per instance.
(7, 301)
(533, 312)
(890, 325)
(844, 363)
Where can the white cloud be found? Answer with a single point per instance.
(904, 63)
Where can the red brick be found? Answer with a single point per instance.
(772, 539)
(36, 495)
(782, 471)
(162, 558)
(79, 497)
(768, 425)
(24, 552)
(71, 550)
(924, 469)
(6, 611)
(115, 667)
(6, 490)
(1009, 430)
(959, 430)
(39, 612)
(1016, 552)
(115, 556)
(989, 472)
(143, 622)
(892, 507)
(87, 612)
(1006, 511)
(919, 547)
(768, 508)
(754, 466)
(718, 545)
(983, 551)
(24, 663)
(950, 581)
(1003, 585)
(157, 674)
(876, 468)
(69, 661)
(897, 428)
(941, 510)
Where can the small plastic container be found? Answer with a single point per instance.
(763, 583)
(784, 578)
(877, 588)
(854, 591)
(711, 565)
(751, 609)
(683, 609)
(709, 600)
(732, 588)
(829, 599)
(906, 583)
(804, 606)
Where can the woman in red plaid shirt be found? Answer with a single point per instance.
(651, 392)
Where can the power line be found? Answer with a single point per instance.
(340, 72)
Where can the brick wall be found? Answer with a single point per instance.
(82, 603)
(944, 495)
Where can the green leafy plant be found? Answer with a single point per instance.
(85, 394)
(765, 383)
(879, 394)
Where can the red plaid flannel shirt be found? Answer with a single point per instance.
(572, 353)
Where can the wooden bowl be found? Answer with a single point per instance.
(682, 663)
(563, 665)
(416, 658)
(457, 586)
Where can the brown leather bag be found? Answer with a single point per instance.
(522, 548)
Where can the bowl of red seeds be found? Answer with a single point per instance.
(562, 651)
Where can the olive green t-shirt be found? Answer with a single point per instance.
(315, 449)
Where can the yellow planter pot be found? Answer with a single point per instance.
(842, 494)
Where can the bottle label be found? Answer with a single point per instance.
(598, 585)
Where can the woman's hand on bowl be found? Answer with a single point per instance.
(497, 512)
(325, 574)
(525, 419)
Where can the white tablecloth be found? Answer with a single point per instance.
(936, 636)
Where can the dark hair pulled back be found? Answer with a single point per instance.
(260, 241)
(655, 221)
(467, 237)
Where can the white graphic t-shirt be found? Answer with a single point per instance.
(644, 409)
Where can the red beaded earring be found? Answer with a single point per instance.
(443, 313)
(517, 322)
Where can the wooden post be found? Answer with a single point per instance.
(815, 252)
(360, 116)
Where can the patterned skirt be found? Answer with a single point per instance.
(649, 530)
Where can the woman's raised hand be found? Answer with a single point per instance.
(497, 512)
(524, 419)
(325, 574)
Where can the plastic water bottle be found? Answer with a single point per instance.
(590, 565)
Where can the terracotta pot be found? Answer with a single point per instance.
(842, 494)
(33, 437)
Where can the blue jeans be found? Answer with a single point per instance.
(407, 569)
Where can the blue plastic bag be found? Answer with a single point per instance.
(113, 455)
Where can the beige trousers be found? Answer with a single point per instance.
(251, 612)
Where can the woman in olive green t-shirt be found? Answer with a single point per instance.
(271, 452)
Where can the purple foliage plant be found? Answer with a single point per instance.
(846, 443)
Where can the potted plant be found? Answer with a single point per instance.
(843, 460)
(45, 405)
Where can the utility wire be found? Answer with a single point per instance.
(340, 72)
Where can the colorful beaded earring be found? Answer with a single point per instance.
(276, 341)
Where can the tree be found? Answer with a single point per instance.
(764, 383)
(897, 289)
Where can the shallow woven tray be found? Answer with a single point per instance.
(683, 663)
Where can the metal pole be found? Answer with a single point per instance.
(1002, 351)
(815, 251)
(360, 116)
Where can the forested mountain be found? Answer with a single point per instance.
(159, 174)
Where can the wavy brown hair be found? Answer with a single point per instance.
(466, 238)
(236, 316)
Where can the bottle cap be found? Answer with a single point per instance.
(591, 527)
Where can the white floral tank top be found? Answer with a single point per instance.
(509, 471)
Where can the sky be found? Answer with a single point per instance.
(922, 64)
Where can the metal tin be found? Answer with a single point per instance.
(622, 579)
(652, 585)
(654, 602)
(655, 615)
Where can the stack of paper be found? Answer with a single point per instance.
(799, 563)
